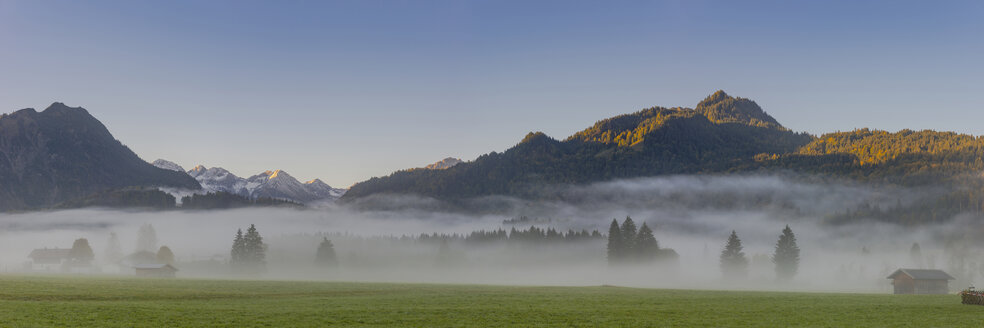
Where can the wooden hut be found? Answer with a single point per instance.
(920, 281)
(155, 270)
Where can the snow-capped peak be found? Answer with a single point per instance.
(276, 173)
(168, 165)
(273, 184)
(198, 168)
(317, 182)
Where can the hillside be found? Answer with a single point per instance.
(63, 153)
(721, 134)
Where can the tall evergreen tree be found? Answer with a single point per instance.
(629, 238)
(614, 243)
(255, 249)
(646, 244)
(915, 255)
(787, 255)
(237, 256)
(734, 264)
(326, 254)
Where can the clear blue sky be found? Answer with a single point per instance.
(348, 90)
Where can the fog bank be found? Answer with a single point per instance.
(692, 215)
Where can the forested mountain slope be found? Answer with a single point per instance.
(63, 153)
(721, 134)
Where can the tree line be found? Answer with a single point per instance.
(628, 245)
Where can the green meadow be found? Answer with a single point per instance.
(131, 302)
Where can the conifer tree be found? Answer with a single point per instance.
(915, 255)
(237, 256)
(786, 257)
(628, 238)
(614, 243)
(326, 254)
(165, 256)
(734, 264)
(255, 250)
(646, 244)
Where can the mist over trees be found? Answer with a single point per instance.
(734, 264)
(915, 255)
(165, 256)
(248, 253)
(615, 243)
(81, 253)
(626, 245)
(146, 239)
(532, 235)
(225, 200)
(786, 256)
(325, 255)
(114, 252)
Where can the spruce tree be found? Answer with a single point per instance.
(614, 243)
(915, 255)
(629, 238)
(646, 244)
(237, 257)
(734, 264)
(786, 257)
(255, 251)
(326, 254)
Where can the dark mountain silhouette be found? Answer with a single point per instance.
(63, 153)
(722, 134)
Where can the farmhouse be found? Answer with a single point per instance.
(920, 281)
(48, 259)
(155, 270)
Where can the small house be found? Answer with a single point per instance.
(155, 270)
(920, 281)
(48, 259)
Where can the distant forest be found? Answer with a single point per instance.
(159, 200)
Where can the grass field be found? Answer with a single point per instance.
(130, 302)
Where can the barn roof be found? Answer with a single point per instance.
(922, 274)
(50, 253)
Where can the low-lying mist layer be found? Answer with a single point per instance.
(691, 215)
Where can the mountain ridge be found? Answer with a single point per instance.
(63, 153)
(275, 184)
(721, 135)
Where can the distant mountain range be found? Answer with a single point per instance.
(64, 153)
(270, 184)
(721, 135)
(63, 157)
